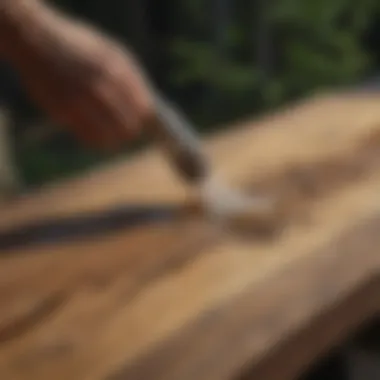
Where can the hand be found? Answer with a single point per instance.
(81, 78)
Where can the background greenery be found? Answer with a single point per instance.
(218, 59)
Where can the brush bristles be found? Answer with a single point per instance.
(235, 211)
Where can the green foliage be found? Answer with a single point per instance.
(201, 62)
(323, 42)
(317, 44)
(44, 163)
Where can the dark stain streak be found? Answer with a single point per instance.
(79, 227)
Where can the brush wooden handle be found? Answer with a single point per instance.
(179, 141)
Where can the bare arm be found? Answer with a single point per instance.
(78, 75)
(16, 19)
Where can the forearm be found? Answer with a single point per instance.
(80, 77)
(32, 30)
(34, 33)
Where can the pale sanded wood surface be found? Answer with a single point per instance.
(183, 300)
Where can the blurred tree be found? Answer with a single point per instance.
(320, 43)
(206, 62)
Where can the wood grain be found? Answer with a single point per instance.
(182, 299)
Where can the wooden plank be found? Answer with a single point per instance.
(180, 299)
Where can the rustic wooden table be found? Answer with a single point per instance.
(179, 299)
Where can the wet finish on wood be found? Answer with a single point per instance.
(180, 298)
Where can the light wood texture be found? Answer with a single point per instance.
(183, 300)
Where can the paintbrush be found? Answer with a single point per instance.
(212, 196)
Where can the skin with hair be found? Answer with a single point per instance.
(79, 76)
